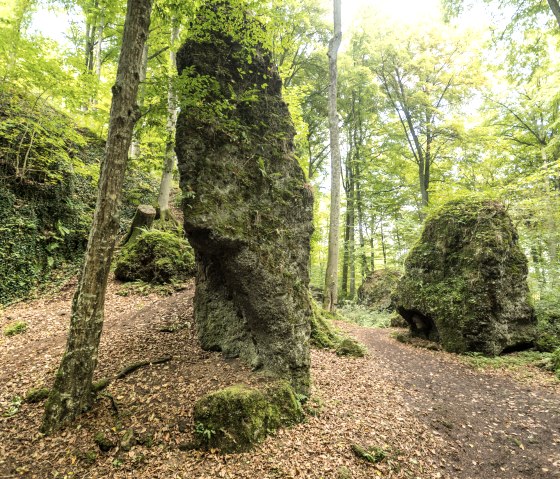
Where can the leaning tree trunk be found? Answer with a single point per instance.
(170, 157)
(72, 390)
(331, 276)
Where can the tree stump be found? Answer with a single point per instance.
(143, 219)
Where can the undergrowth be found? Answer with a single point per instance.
(365, 317)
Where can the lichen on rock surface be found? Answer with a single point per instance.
(248, 209)
(465, 280)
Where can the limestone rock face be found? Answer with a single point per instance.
(377, 289)
(248, 209)
(465, 281)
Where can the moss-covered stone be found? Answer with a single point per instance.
(235, 418)
(36, 395)
(351, 347)
(376, 292)
(248, 209)
(155, 257)
(104, 442)
(323, 333)
(465, 280)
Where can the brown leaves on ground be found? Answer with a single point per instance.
(365, 401)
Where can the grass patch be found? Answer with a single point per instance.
(507, 361)
(17, 327)
(366, 317)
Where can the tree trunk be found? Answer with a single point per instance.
(170, 158)
(135, 145)
(99, 44)
(331, 276)
(72, 390)
(383, 247)
(555, 7)
(351, 236)
(345, 258)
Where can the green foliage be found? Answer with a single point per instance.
(155, 257)
(13, 406)
(514, 361)
(555, 361)
(17, 327)
(365, 316)
(372, 454)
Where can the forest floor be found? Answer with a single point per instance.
(432, 415)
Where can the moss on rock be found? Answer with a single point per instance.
(465, 280)
(237, 417)
(248, 208)
(376, 292)
(351, 347)
(323, 333)
(155, 257)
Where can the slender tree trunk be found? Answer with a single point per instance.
(383, 247)
(99, 45)
(331, 276)
(135, 145)
(372, 244)
(170, 158)
(71, 393)
(345, 258)
(351, 235)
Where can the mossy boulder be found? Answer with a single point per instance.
(238, 417)
(465, 281)
(155, 257)
(248, 208)
(351, 347)
(376, 292)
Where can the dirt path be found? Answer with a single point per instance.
(433, 417)
(496, 427)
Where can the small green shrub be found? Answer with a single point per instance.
(17, 327)
(372, 454)
(155, 257)
(555, 359)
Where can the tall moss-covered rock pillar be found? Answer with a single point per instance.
(248, 209)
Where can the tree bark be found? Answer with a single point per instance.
(331, 276)
(555, 7)
(72, 390)
(170, 158)
(143, 218)
(135, 145)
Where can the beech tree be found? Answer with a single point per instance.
(331, 275)
(71, 393)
